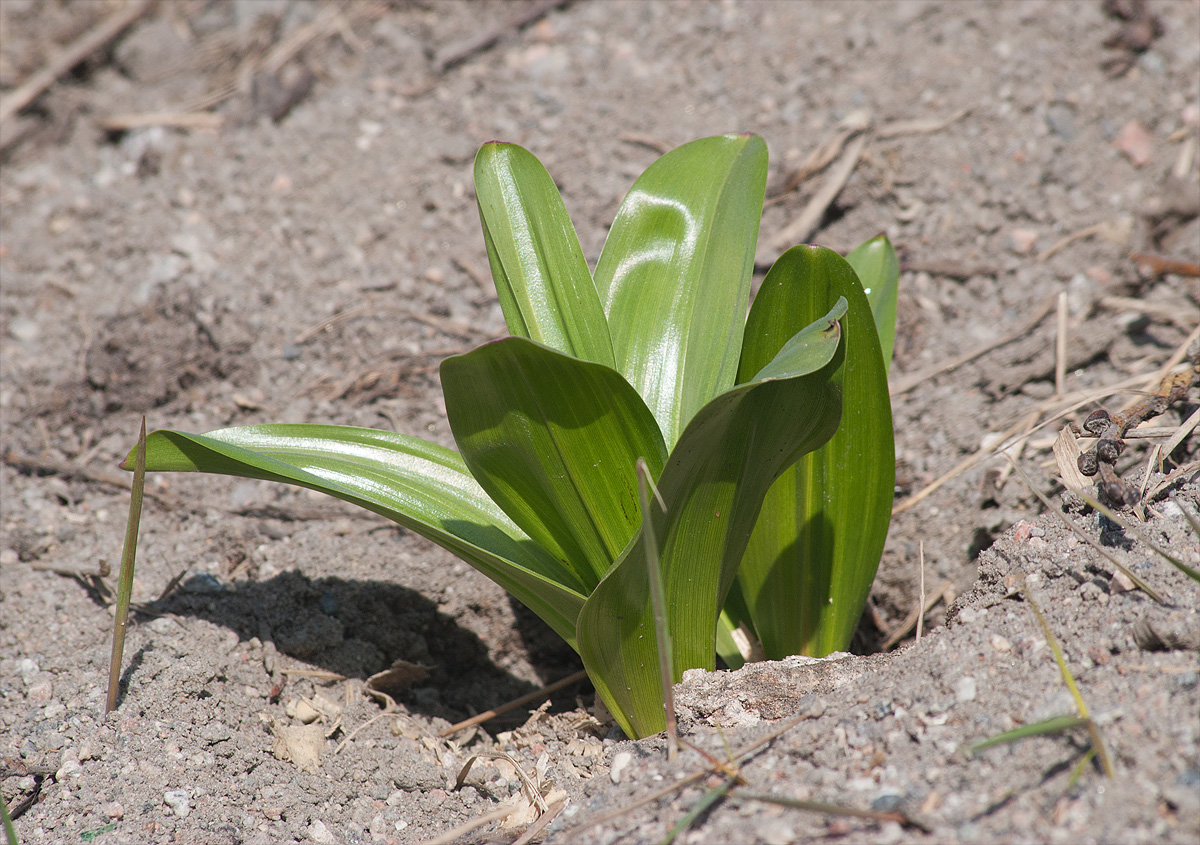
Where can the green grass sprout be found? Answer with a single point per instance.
(125, 582)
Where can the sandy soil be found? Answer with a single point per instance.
(316, 255)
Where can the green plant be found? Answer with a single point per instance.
(651, 356)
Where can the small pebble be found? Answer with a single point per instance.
(1000, 643)
(23, 328)
(620, 762)
(177, 800)
(114, 810)
(965, 689)
(1022, 240)
(1136, 142)
(319, 833)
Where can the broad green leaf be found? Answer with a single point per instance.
(815, 549)
(423, 486)
(878, 270)
(712, 485)
(554, 441)
(674, 276)
(542, 279)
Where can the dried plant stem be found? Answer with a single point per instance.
(479, 718)
(1060, 347)
(76, 52)
(921, 599)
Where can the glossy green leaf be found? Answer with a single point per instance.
(878, 270)
(815, 549)
(554, 441)
(674, 276)
(712, 485)
(422, 486)
(542, 279)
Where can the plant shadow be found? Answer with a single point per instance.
(358, 628)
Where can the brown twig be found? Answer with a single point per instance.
(803, 227)
(174, 119)
(29, 463)
(1160, 265)
(459, 51)
(919, 126)
(76, 52)
(1110, 429)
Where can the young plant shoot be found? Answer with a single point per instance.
(765, 508)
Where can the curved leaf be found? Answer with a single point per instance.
(542, 279)
(554, 441)
(713, 484)
(422, 486)
(815, 549)
(674, 276)
(878, 270)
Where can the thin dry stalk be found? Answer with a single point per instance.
(921, 599)
(920, 125)
(463, 829)
(76, 52)
(480, 718)
(542, 822)
(802, 228)
(173, 119)
(1060, 347)
(946, 588)
(908, 382)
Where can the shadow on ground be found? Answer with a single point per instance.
(358, 628)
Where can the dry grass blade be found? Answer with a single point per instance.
(463, 829)
(800, 230)
(835, 810)
(908, 382)
(531, 789)
(479, 718)
(1191, 520)
(1087, 538)
(80, 49)
(1177, 475)
(125, 584)
(543, 821)
(914, 617)
(1057, 407)
(1188, 426)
